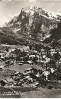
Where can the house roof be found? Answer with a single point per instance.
(46, 73)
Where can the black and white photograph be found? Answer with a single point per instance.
(30, 48)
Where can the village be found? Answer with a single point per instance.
(28, 67)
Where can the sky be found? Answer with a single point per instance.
(10, 8)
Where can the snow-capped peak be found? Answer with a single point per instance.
(50, 13)
(31, 7)
(30, 10)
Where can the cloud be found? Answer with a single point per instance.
(32, 0)
(16, 14)
(3, 20)
(10, 15)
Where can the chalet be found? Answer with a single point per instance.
(31, 56)
(38, 74)
(7, 56)
(52, 70)
(45, 74)
(11, 50)
(29, 62)
(1, 67)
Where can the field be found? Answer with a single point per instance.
(29, 92)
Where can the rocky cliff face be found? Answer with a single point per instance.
(30, 26)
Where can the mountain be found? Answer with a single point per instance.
(32, 25)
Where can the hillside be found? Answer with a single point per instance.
(30, 26)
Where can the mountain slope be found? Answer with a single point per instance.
(30, 26)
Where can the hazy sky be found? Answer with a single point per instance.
(10, 8)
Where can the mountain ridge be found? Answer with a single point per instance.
(30, 26)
